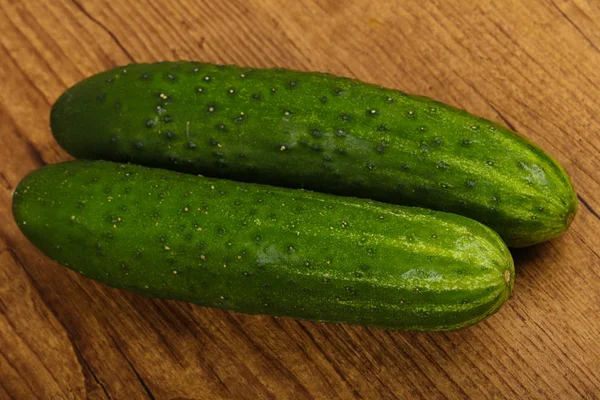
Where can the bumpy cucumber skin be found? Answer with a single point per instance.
(320, 132)
(266, 250)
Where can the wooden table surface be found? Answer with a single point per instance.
(533, 65)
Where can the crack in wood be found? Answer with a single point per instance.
(587, 205)
(85, 364)
(137, 374)
(31, 147)
(492, 106)
(574, 25)
(502, 117)
(6, 183)
(105, 29)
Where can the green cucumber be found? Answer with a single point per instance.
(267, 250)
(319, 132)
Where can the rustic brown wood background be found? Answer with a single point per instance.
(532, 64)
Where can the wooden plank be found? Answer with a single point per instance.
(530, 64)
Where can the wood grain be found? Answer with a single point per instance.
(530, 64)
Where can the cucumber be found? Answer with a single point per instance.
(320, 132)
(265, 250)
